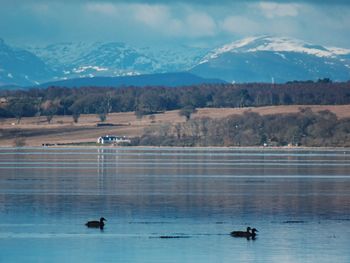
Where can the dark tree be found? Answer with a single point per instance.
(76, 116)
(187, 111)
(102, 116)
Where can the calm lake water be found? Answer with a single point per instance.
(298, 200)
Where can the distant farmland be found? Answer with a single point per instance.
(35, 130)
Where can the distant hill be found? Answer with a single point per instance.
(164, 79)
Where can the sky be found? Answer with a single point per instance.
(201, 23)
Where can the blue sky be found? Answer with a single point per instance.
(197, 23)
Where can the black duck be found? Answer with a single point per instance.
(96, 224)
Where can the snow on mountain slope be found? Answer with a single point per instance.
(115, 59)
(283, 59)
(277, 44)
(93, 59)
(175, 58)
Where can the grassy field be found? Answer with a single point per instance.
(36, 131)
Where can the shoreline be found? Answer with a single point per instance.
(268, 148)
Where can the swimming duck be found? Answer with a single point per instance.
(96, 224)
(246, 234)
(253, 232)
(241, 233)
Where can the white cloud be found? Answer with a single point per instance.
(272, 9)
(200, 24)
(175, 22)
(151, 15)
(239, 25)
(158, 18)
(170, 22)
(102, 8)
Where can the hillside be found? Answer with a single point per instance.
(161, 79)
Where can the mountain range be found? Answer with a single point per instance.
(274, 59)
(253, 59)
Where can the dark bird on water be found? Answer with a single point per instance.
(96, 224)
(253, 232)
(250, 233)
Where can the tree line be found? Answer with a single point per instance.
(149, 100)
(305, 128)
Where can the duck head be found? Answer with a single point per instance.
(102, 219)
(254, 230)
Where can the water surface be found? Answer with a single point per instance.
(298, 200)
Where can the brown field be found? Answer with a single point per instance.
(36, 130)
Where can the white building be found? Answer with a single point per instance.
(113, 139)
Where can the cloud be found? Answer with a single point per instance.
(156, 19)
(273, 9)
(151, 15)
(200, 24)
(176, 22)
(102, 8)
(171, 22)
(239, 25)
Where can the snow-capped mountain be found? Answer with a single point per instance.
(76, 60)
(81, 60)
(278, 44)
(20, 67)
(280, 59)
(254, 59)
